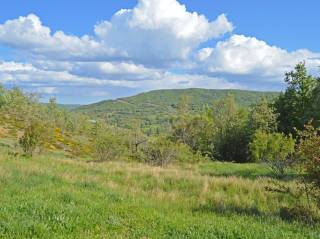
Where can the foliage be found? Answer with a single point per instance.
(263, 117)
(296, 106)
(224, 130)
(33, 137)
(136, 139)
(155, 109)
(196, 131)
(3, 96)
(107, 147)
(219, 133)
(43, 126)
(273, 148)
(308, 155)
(231, 139)
(316, 105)
(159, 151)
(299, 213)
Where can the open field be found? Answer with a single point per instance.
(55, 197)
(151, 119)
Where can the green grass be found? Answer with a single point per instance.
(247, 170)
(55, 197)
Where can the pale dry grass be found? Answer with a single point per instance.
(4, 174)
(3, 132)
(171, 184)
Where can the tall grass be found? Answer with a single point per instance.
(55, 197)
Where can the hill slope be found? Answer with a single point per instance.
(154, 109)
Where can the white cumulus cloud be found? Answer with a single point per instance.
(242, 55)
(160, 31)
(27, 33)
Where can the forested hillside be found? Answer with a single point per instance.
(153, 110)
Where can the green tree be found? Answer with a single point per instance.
(33, 137)
(275, 149)
(262, 117)
(308, 155)
(180, 122)
(3, 96)
(295, 106)
(231, 137)
(316, 105)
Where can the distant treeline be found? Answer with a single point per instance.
(155, 109)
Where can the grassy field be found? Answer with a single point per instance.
(56, 197)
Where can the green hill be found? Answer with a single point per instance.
(154, 109)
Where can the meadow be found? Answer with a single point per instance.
(226, 171)
(52, 196)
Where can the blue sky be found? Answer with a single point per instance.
(155, 44)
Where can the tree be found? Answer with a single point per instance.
(275, 149)
(3, 96)
(180, 123)
(136, 139)
(262, 117)
(220, 133)
(295, 106)
(231, 138)
(106, 141)
(308, 155)
(316, 105)
(33, 137)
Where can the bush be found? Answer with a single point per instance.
(197, 132)
(273, 148)
(308, 155)
(33, 137)
(159, 151)
(107, 147)
(299, 213)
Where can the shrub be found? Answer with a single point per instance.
(107, 147)
(33, 137)
(159, 151)
(299, 213)
(308, 155)
(275, 149)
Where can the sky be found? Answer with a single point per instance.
(86, 51)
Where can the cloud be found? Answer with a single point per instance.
(155, 45)
(159, 31)
(135, 77)
(22, 73)
(7, 67)
(242, 55)
(154, 31)
(183, 81)
(46, 90)
(28, 33)
(115, 70)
